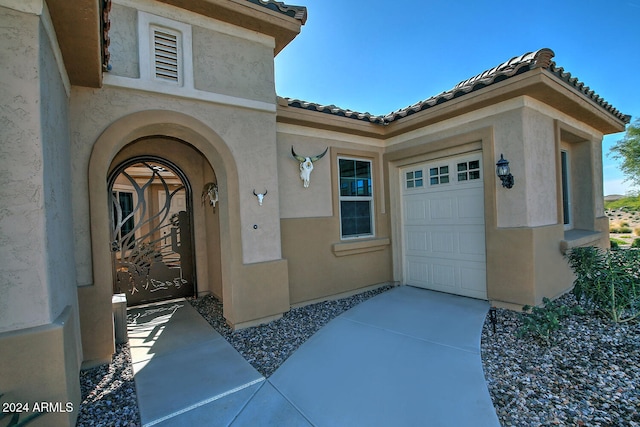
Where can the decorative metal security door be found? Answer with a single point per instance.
(151, 236)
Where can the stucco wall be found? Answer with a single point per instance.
(39, 323)
(539, 183)
(232, 66)
(56, 183)
(24, 280)
(38, 272)
(124, 41)
(295, 200)
(320, 263)
(223, 63)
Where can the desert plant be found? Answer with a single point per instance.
(607, 281)
(614, 243)
(621, 230)
(541, 322)
(635, 244)
(636, 231)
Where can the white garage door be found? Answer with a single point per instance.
(443, 226)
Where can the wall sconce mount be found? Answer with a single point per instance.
(504, 172)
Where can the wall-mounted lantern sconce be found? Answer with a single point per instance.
(504, 173)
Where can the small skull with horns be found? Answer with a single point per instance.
(306, 165)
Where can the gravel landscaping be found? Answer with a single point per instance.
(590, 376)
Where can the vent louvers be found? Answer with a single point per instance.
(165, 46)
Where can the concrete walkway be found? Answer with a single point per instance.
(407, 357)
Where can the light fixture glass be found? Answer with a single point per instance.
(504, 172)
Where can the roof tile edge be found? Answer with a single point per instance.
(296, 12)
(542, 58)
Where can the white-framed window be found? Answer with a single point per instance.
(565, 162)
(166, 51)
(355, 197)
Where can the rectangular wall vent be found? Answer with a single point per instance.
(166, 55)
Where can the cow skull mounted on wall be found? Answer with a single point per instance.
(306, 165)
(260, 196)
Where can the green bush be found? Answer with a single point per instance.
(614, 243)
(635, 243)
(541, 322)
(628, 203)
(607, 281)
(621, 230)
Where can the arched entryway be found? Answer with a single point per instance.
(151, 230)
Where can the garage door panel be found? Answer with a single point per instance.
(431, 242)
(418, 241)
(458, 277)
(443, 227)
(472, 243)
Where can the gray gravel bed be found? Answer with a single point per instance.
(589, 377)
(109, 394)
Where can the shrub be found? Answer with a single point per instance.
(624, 224)
(541, 322)
(635, 243)
(621, 230)
(614, 243)
(636, 231)
(607, 281)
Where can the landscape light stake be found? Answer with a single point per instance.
(493, 318)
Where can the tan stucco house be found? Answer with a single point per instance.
(144, 151)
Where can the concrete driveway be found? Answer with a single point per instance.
(407, 357)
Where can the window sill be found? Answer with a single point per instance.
(360, 246)
(575, 238)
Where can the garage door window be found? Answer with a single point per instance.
(439, 175)
(414, 179)
(468, 171)
(356, 198)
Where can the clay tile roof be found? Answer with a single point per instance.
(297, 12)
(517, 65)
(332, 109)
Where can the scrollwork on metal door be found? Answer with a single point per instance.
(151, 233)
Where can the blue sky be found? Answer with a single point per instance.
(378, 56)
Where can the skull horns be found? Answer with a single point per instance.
(260, 196)
(306, 165)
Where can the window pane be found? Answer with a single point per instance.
(355, 218)
(433, 171)
(409, 184)
(418, 174)
(418, 183)
(462, 167)
(444, 179)
(462, 176)
(474, 164)
(409, 175)
(474, 175)
(444, 169)
(347, 168)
